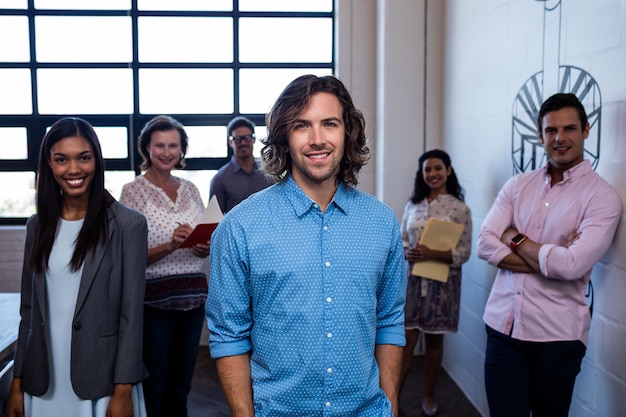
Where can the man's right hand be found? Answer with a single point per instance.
(234, 373)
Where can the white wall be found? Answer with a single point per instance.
(356, 34)
(492, 48)
(11, 254)
(478, 55)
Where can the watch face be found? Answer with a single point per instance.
(516, 241)
(518, 238)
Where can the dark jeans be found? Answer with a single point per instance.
(170, 348)
(521, 377)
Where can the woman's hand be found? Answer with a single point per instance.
(417, 253)
(179, 235)
(200, 250)
(121, 402)
(15, 407)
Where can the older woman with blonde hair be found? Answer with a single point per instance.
(176, 284)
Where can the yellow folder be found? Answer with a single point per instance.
(438, 235)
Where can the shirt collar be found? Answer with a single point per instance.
(572, 174)
(237, 167)
(302, 203)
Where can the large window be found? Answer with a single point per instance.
(118, 63)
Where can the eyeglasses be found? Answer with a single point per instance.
(246, 138)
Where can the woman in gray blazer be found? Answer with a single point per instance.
(79, 349)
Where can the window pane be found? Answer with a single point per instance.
(14, 28)
(113, 141)
(16, 94)
(185, 39)
(261, 133)
(212, 141)
(83, 5)
(83, 39)
(264, 40)
(14, 4)
(17, 194)
(286, 5)
(213, 5)
(201, 179)
(115, 180)
(179, 91)
(85, 91)
(207, 142)
(13, 143)
(261, 87)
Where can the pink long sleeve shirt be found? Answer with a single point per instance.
(549, 306)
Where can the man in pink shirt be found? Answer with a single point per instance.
(545, 231)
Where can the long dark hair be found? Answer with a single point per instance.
(50, 198)
(421, 190)
(292, 101)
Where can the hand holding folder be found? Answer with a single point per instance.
(207, 223)
(438, 235)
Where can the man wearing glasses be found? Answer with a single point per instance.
(239, 178)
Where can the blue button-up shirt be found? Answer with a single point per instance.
(310, 294)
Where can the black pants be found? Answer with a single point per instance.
(170, 347)
(521, 377)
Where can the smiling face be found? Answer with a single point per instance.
(316, 143)
(563, 138)
(73, 165)
(164, 149)
(435, 175)
(242, 143)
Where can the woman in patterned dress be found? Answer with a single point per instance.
(176, 283)
(432, 307)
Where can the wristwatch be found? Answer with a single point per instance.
(517, 240)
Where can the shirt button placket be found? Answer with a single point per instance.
(328, 315)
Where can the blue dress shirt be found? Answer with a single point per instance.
(310, 294)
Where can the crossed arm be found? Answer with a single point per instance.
(526, 259)
(575, 232)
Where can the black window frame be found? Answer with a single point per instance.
(36, 124)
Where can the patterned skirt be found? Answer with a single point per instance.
(433, 306)
(177, 292)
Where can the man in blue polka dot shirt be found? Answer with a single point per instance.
(306, 300)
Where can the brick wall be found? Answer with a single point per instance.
(11, 256)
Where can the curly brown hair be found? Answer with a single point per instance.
(295, 98)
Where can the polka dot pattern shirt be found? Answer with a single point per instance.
(163, 216)
(310, 294)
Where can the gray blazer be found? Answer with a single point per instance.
(107, 330)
